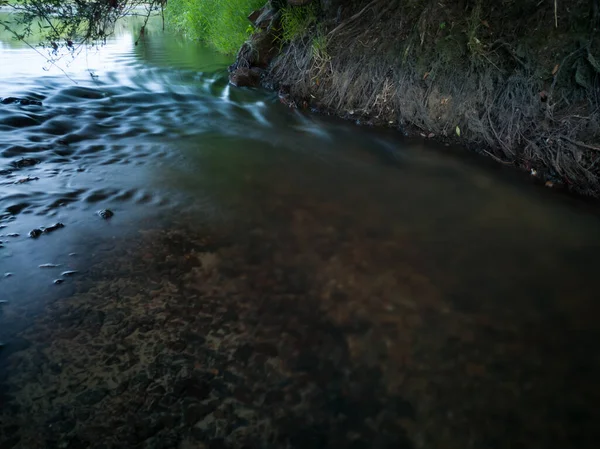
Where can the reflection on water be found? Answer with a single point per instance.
(270, 278)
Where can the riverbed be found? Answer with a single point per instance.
(273, 278)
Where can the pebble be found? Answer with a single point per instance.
(21, 101)
(106, 213)
(25, 162)
(35, 233)
(53, 228)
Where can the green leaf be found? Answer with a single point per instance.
(457, 131)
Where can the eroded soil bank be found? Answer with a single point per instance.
(517, 81)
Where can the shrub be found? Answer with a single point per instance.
(223, 24)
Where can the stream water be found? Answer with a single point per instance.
(272, 278)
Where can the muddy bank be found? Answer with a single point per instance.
(518, 81)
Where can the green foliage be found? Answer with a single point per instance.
(297, 20)
(221, 23)
(58, 23)
(319, 46)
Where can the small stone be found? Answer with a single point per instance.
(106, 213)
(53, 228)
(28, 179)
(25, 162)
(21, 101)
(35, 233)
(13, 235)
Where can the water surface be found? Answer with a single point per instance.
(273, 278)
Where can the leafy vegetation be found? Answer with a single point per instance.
(297, 20)
(221, 23)
(69, 24)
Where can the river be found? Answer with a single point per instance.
(270, 277)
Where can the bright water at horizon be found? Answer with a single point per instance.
(154, 133)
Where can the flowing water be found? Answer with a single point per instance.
(272, 278)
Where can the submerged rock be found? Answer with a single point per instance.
(28, 179)
(25, 162)
(53, 228)
(21, 101)
(35, 233)
(106, 213)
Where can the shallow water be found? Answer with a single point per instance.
(273, 278)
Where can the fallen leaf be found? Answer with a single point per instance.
(425, 76)
(457, 131)
(555, 69)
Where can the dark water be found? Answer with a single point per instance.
(272, 278)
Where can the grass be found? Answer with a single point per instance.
(297, 21)
(223, 24)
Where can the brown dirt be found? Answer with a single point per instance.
(518, 87)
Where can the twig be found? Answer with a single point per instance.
(581, 144)
(351, 19)
(39, 53)
(143, 29)
(556, 76)
(497, 159)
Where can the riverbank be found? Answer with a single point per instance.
(519, 82)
